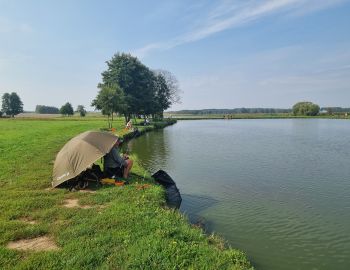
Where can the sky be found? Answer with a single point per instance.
(224, 53)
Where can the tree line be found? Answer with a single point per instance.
(301, 108)
(66, 109)
(232, 111)
(310, 109)
(331, 110)
(132, 89)
(11, 105)
(43, 109)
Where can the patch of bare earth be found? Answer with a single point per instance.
(87, 191)
(28, 221)
(41, 243)
(74, 203)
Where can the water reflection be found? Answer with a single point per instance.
(277, 189)
(152, 150)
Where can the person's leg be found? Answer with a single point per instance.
(127, 168)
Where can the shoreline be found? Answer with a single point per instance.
(125, 227)
(220, 241)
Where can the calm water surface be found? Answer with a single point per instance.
(277, 189)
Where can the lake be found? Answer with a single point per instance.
(278, 189)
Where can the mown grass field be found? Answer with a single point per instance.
(125, 227)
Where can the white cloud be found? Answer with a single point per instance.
(229, 14)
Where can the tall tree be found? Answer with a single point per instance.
(135, 79)
(162, 101)
(110, 99)
(12, 104)
(6, 107)
(306, 108)
(172, 84)
(67, 109)
(81, 110)
(167, 91)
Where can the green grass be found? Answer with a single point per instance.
(126, 228)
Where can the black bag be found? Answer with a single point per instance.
(96, 169)
(163, 178)
(173, 196)
(82, 181)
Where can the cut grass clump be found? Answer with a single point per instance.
(126, 227)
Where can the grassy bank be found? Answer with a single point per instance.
(252, 116)
(117, 228)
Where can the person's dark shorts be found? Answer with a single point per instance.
(118, 172)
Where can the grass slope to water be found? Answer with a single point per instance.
(125, 228)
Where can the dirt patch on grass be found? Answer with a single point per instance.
(87, 191)
(74, 203)
(36, 244)
(28, 220)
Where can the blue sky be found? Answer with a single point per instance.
(225, 54)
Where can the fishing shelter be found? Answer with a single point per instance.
(80, 153)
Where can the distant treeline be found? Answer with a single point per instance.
(233, 111)
(46, 109)
(335, 109)
(330, 110)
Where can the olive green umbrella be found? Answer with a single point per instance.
(80, 153)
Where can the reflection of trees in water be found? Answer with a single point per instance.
(156, 150)
(151, 150)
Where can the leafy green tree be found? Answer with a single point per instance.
(6, 107)
(110, 99)
(67, 109)
(167, 91)
(306, 108)
(42, 109)
(161, 101)
(135, 79)
(16, 104)
(81, 110)
(172, 84)
(11, 104)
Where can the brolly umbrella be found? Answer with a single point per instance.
(80, 153)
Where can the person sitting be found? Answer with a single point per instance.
(146, 122)
(114, 163)
(129, 125)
